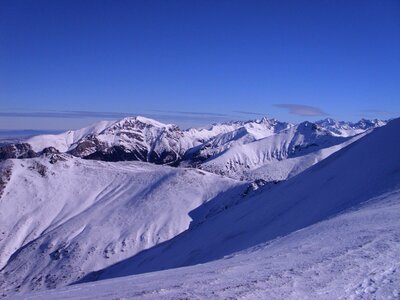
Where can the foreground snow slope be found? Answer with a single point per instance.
(62, 217)
(353, 255)
(357, 173)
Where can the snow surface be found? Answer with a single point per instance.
(65, 140)
(251, 150)
(357, 173)
(329, 232)
(61, 220)
(110, 132)
(351, 256)
(276, 157)
(346, 129)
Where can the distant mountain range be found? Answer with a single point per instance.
(259, 149)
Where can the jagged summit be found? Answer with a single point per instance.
(129, 121)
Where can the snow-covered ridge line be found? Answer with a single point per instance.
(143, 139)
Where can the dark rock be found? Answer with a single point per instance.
(50, 150)
(20, 150)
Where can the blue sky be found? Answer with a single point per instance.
(64, 64)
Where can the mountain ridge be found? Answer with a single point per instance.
(143, 139)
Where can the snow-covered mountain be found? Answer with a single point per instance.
(330, 232)
(363, 177)
(62, 217)
(279, 156)
(346, 129)
(260, 149)
(133, 138)
(63, 141)
(239, 134)
(141, 139)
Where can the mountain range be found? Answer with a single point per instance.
(140, 209)
(260, 149)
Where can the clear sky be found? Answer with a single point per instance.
(64, 64)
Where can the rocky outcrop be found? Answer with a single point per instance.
(20, 150)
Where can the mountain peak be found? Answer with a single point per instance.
(329, 121)
(141, 119)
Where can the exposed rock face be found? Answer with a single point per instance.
(116, 153)
(87, 147)
(135, 139)
(5, 175)
(20, 150)
(53, 155)
(50, 150)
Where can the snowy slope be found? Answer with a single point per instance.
(346, 129)
(366, 169)
(143, 139)
(133, 138)
(278, 156)
(351, 256)
(65, 140)
(246, 132)
(62, 217)
(74, 216)
(259, 128)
